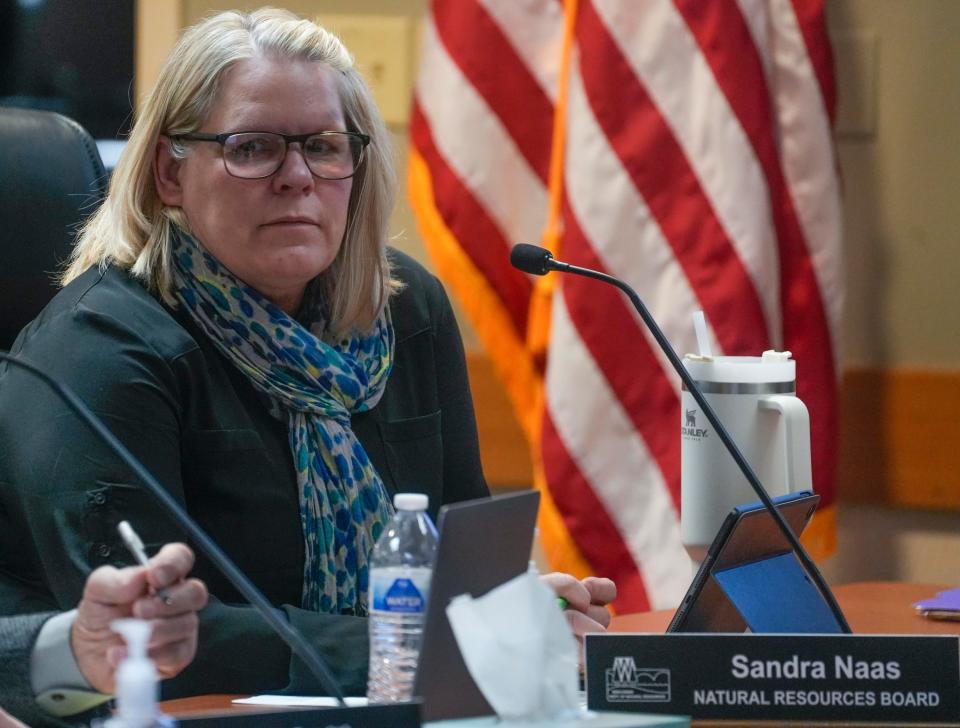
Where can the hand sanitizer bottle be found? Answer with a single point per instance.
(136, 681)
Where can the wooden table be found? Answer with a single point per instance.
(870, 607)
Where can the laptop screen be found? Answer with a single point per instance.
(483, 543)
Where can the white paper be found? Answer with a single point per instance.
(300, 701)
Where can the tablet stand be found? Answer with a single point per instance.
(776, 595)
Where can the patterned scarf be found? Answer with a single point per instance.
(315, 386)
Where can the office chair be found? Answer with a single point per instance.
(51, 179)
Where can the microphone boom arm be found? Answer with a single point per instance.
(809, 566)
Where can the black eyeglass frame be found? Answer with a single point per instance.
(288, 139)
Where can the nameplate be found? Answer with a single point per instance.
(402, 715)
(860, 678)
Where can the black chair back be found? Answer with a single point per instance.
(51, 179)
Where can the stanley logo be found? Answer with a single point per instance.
(690, 428)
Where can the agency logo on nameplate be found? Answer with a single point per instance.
(863, 678)
(626, 683)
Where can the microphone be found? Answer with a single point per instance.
(535, 260)
(539, 261)
(287, 632)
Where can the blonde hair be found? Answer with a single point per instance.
(132, 228)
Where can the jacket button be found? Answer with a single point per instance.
(100, 499)
(104, 550)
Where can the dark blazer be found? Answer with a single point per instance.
(200, 427)
(17, 635)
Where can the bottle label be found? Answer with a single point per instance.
(401, 591)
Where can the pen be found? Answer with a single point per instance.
(562, 603)
(135, 547)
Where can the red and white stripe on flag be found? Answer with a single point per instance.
(697, 164)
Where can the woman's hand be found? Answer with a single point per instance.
(587, 601)
(112, 593)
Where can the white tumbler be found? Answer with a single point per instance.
(755, 399)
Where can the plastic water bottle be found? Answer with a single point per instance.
(400, 571)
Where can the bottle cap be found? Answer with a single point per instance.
(410, 501)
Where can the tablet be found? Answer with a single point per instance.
(748, 536)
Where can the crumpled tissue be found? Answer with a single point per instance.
(519, 649)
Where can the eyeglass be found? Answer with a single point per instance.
(258, 154)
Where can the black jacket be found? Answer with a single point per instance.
(198, 425)
(17, 636)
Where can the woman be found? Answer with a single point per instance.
(232, 312)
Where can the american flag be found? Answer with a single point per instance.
(682, 145)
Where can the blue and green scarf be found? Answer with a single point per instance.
(315, 385)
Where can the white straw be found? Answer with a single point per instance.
(703, 341)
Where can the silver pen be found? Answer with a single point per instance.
(135, 546)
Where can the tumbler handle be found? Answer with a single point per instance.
(796, 433)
